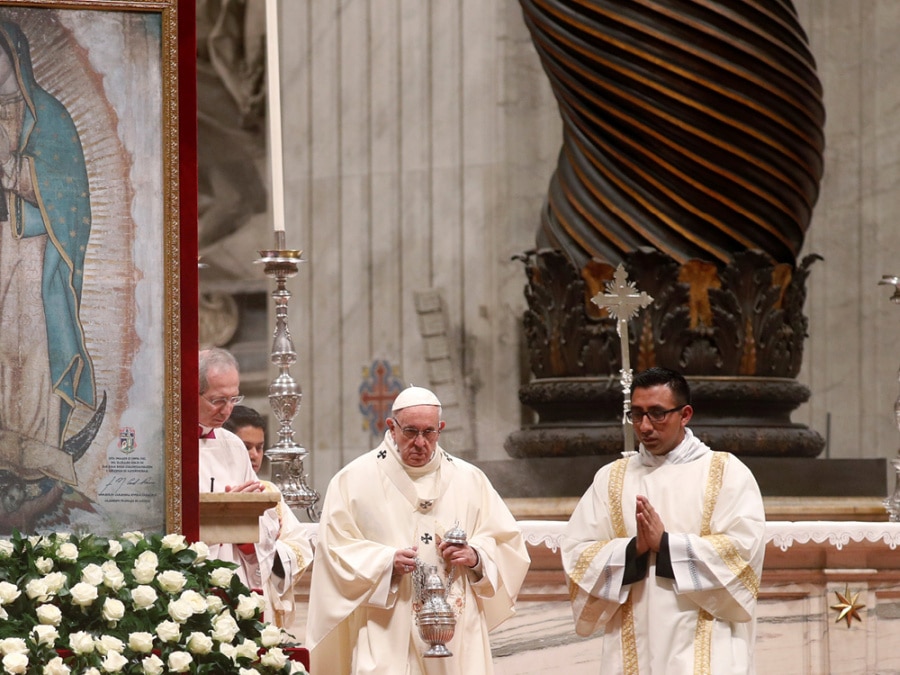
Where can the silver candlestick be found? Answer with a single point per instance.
(286, 457)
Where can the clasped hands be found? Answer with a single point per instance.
(461, 555)
(650, 526)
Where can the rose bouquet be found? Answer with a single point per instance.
(137, 604)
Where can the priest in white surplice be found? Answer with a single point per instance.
(380, 513)
(664, 552)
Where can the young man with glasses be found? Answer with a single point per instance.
(285, 548)
(383, 515)
(665, 550)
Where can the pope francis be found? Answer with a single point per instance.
(381, 513)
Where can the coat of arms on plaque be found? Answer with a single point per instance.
(127, 442)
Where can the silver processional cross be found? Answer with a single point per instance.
(623, 301)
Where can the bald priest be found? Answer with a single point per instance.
(387, 510)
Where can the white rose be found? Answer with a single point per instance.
(196, 600)
(171, 581)
(67, 551)
(113, 609)
(113, 662)
(143, 597)
(270, 636)
(36, 589)
(248, 671)
(297, 667)
(37, 541)
(8, 592)
(174, 542)
(168, 631)
(224, 628)
(49, 614)
(141, 642)
(180, 662)
(148, 558)
(15, 663)
(6, 548)
(112, 576)
(152, 665)
(62, 536)
(108, 643)
(92, 574)
(202, 551)
(83, 594)
(3, 613)
(115, 548)
(56, 666)
(228, 650)
(214, 604)
(221, 577)
(248, 649)
(246, 607)
(143, 572)
(43, 564)
(133, 537)
(81, 642)
(13, 645)
(199, 643)
(55, 581)
(91, 671)
(180, 610)
(274, 658)
(44, 634)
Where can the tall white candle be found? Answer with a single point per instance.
(273, 85)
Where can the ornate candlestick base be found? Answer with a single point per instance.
(286, 456)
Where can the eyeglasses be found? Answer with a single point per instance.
(222, 402)
(411, 433)
(656, 416)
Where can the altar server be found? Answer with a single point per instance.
(279, 522)
(382, 512)
(664, 552)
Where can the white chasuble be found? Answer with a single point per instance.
(703, 620)
(361, 617)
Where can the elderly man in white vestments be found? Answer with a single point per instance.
(383, 511)
(276, 562)
(664, 552)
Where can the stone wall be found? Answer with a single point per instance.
(419, 141)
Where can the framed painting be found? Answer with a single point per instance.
(98, 264)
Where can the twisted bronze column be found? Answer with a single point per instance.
(692, 154)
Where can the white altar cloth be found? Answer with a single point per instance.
(782, 534)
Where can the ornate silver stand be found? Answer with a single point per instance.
(892, 503)
(286, 457)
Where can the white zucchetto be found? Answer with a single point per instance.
(412, 396)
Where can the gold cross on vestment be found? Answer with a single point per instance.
(623, 301)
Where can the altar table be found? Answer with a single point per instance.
(807, 563)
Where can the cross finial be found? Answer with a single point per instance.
(621, 298)
(623, 301)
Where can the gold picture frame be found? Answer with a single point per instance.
(98, 181)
